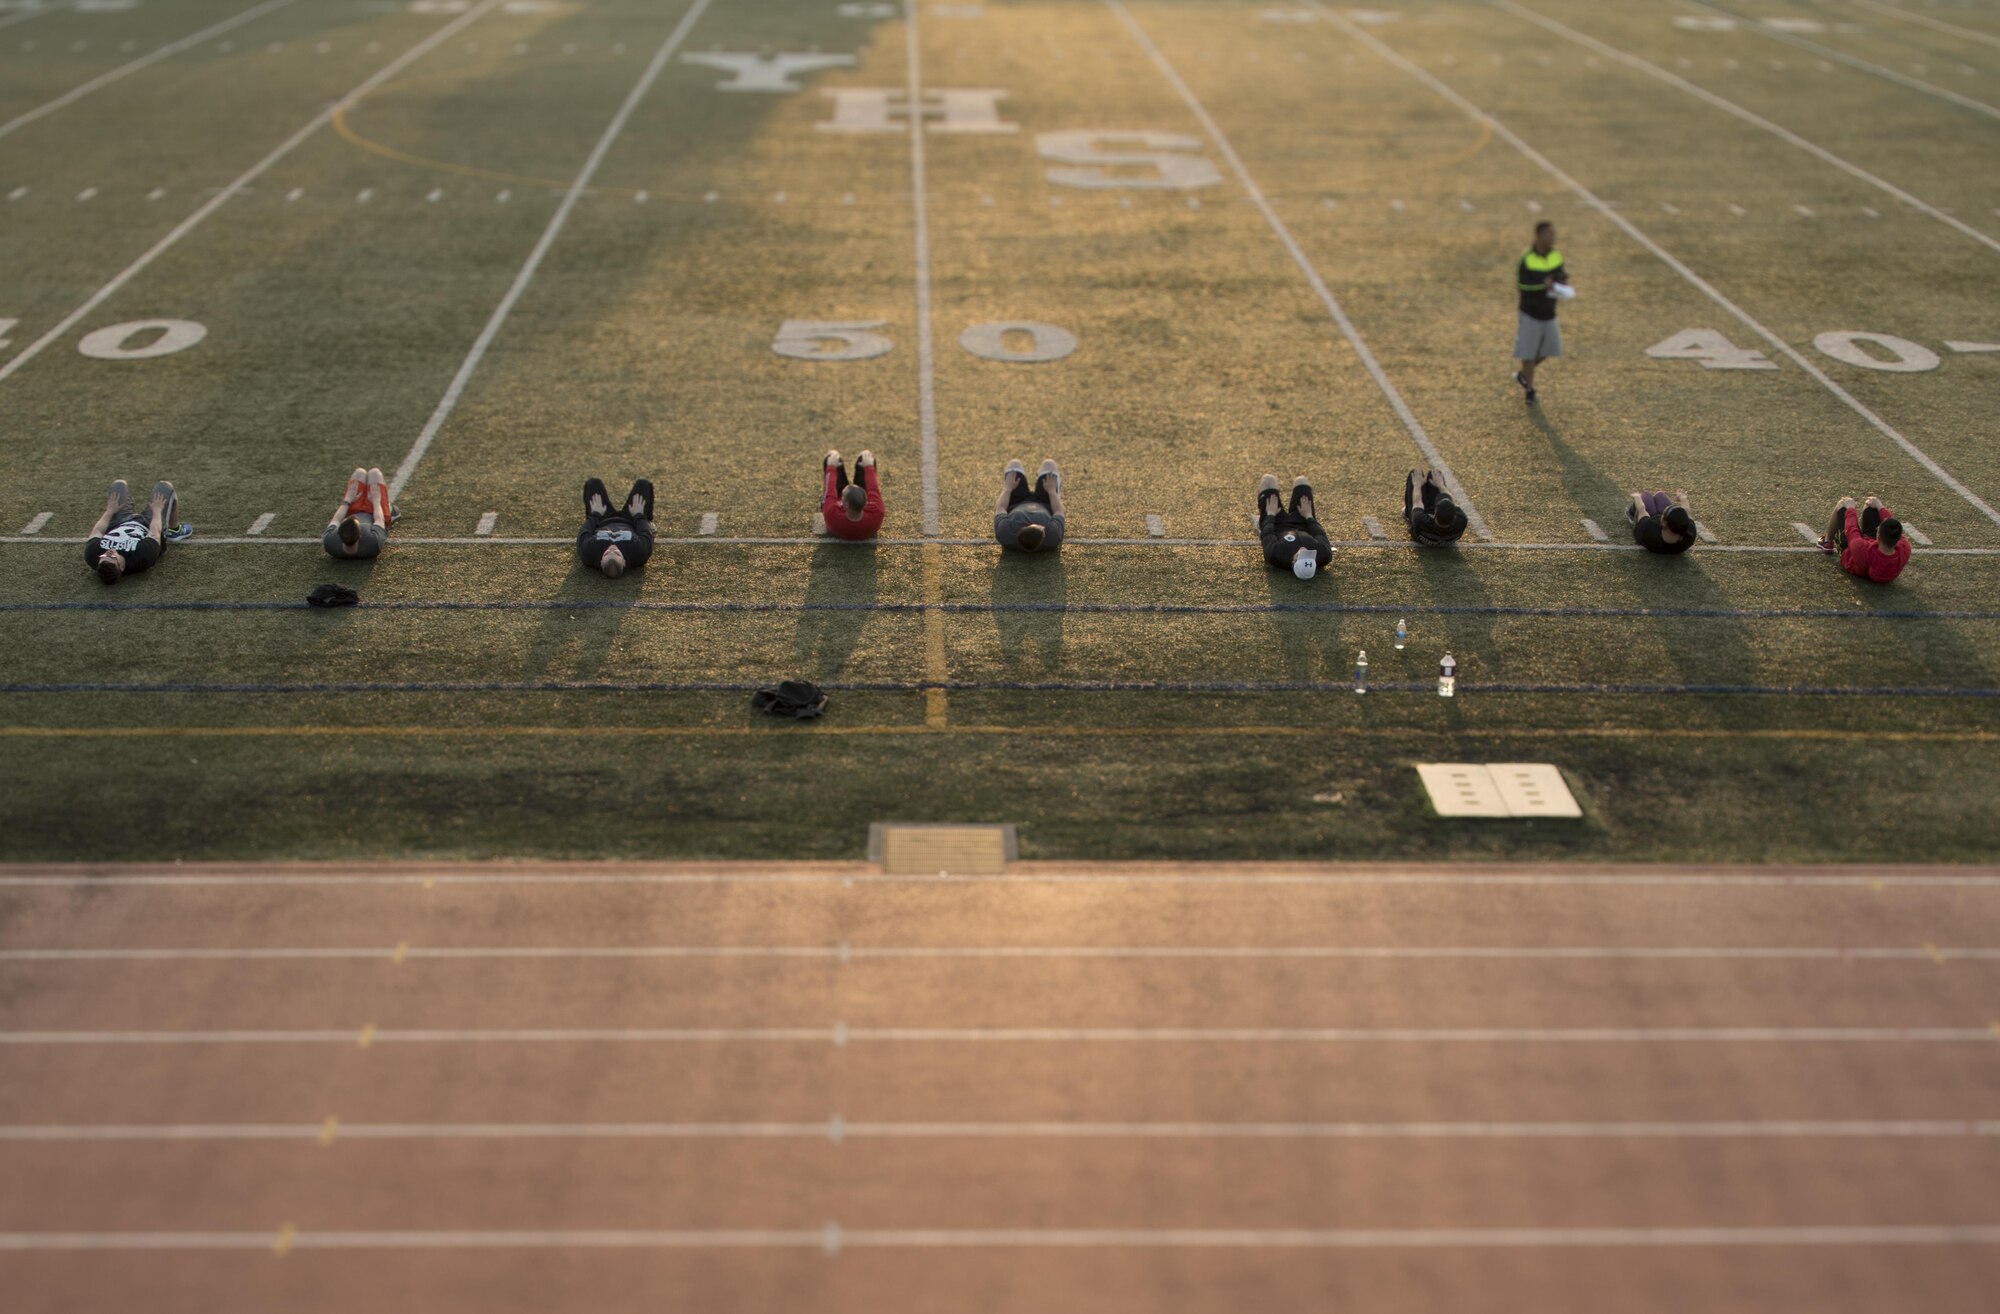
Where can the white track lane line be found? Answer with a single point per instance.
(1248, 1131)
(1853, 61)
(1672, 262)
(831, 1237)
(1935, 24)
(859, 953)
(1748, 116)
(1326, 297)
(920, 214)
(449, 401)
(144, 61)
(841, 1034)
(248, 176)
(1976, 879)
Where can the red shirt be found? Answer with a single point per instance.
(835, 511)
(1865, 558)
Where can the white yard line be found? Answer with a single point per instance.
(920, 215)
(449, 401)
(842, 1034)
(1748, 116)
(1852, 61)
(144, 61)
(248, 176)
(1932, 954)
(1344, 1131)
(1935, 24)
(831, 1238)
(1672, 262)
(1306, 267)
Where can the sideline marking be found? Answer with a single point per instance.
(1508, 1238)
(261, 523)
(710, 520)
(1973, 346)
(926, 384)
(449, 401)
(937, 710)
(77, 93)
(485, 526)
(1917, 536)
(1807, 532)
(1853, 61)
(1631, 230)
(248, 176)
(1748, 116)
(836, 1130)
(35, 526)
(1374, 527)
(1155, 527)
(1596, 532)
(840, 1033)
(1326, 297)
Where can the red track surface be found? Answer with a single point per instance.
(1398, 1089)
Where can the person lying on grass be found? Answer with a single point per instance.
(1870, 545)
(1029, 519)
(1433, 517)
(1291, 535)
(616, 541)
(852, 511)
(124, 542)
(359, 526)
(1661, 523)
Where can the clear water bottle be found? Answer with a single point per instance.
(1402, 633)
(1447, 677)
(1361, 672)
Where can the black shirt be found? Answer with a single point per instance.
(1647, 533)
(127, 537)
(632, 537)
(1429, 531)
(1533, 284)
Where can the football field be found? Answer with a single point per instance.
(498, 246)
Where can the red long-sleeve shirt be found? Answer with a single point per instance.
(835, 512)
(1865, 558)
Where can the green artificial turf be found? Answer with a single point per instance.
(642, 345)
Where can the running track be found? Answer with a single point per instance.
(456, 1088)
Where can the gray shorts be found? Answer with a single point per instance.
(1536, 339)
(1007, 527)
(373, 536)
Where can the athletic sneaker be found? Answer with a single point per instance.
(1826, 545)
(1523, 381)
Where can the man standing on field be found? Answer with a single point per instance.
(1537, 277)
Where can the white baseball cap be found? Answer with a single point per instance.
(1306, 563)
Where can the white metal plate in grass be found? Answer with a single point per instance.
(1533, 789)
(1462, 789)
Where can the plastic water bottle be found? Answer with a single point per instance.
(1447, 677)
(1361, 672)
(1402, 633)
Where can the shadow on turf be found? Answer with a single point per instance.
(1713, 651)
(840, 572)
(1030, 641)
(573, 644)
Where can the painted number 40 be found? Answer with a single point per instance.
(1868, 351)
